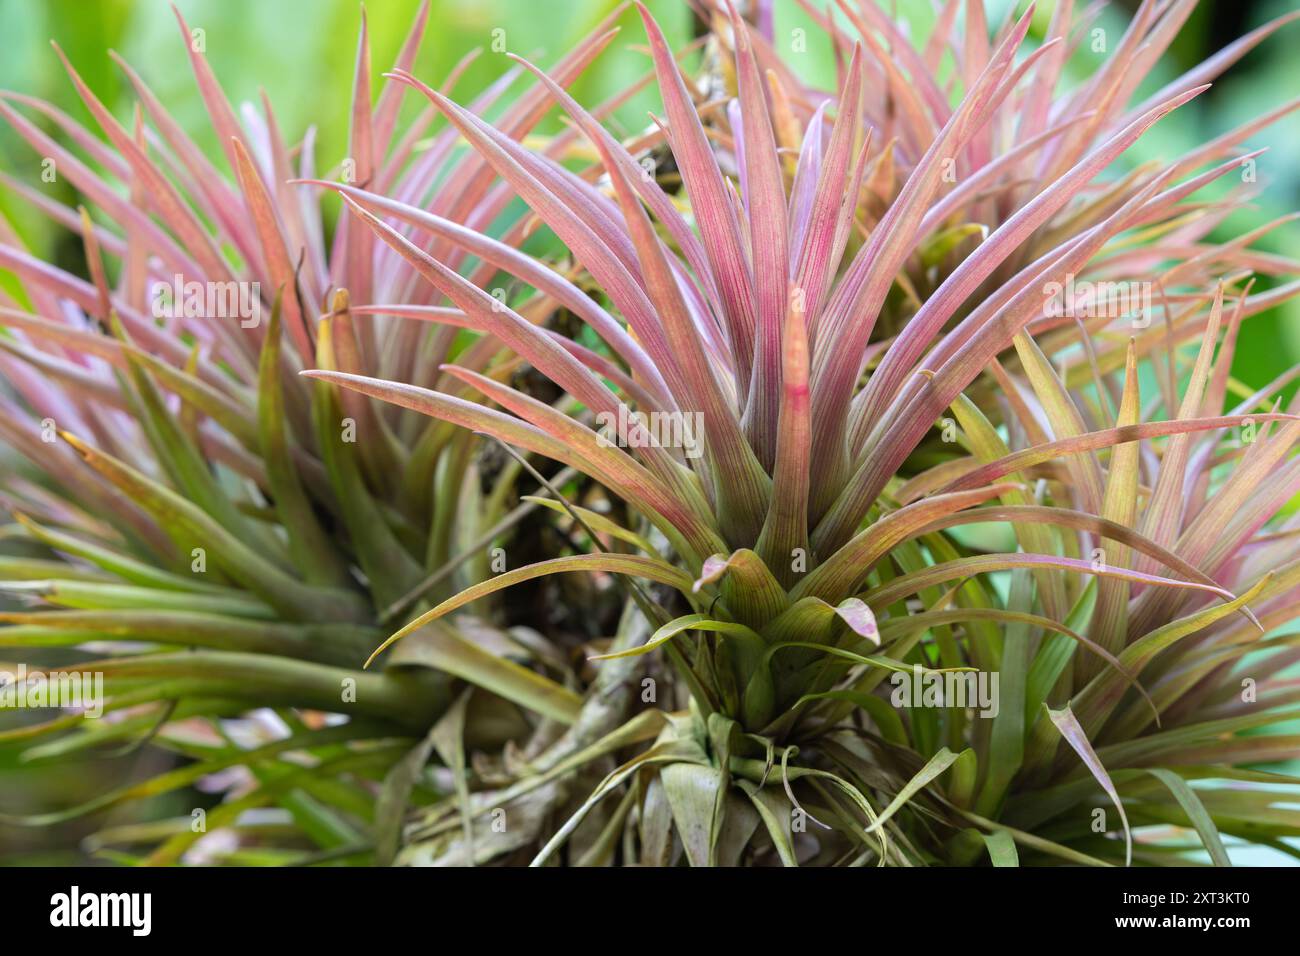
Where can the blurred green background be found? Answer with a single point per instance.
(301, 52)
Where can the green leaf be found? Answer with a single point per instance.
(97, 595)
(776, 813)
(1110, 619)
(752, 642)
(189, 524)
(446, 649)
(311, 549)
(936, 765)
(395, 794)
(1195, 810)
(390, 569)
(749, 590)
(1002, 848)
(1073, 733)
(666, 751)
(136, 572)
(184, 463)
(597, 521)
(694, 793)
(637, 565)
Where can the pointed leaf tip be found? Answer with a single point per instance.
(714, 567)
(857, 615)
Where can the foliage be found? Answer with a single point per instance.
(901, 386)
(807, 542)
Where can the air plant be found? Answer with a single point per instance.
(1098, 532)
(223, 540)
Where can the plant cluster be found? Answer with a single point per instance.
(888, 432)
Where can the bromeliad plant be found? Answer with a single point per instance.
(1087, 526)
(1029, 140)
(215, 533)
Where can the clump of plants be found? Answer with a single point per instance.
(896, 425)
(223, 540)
